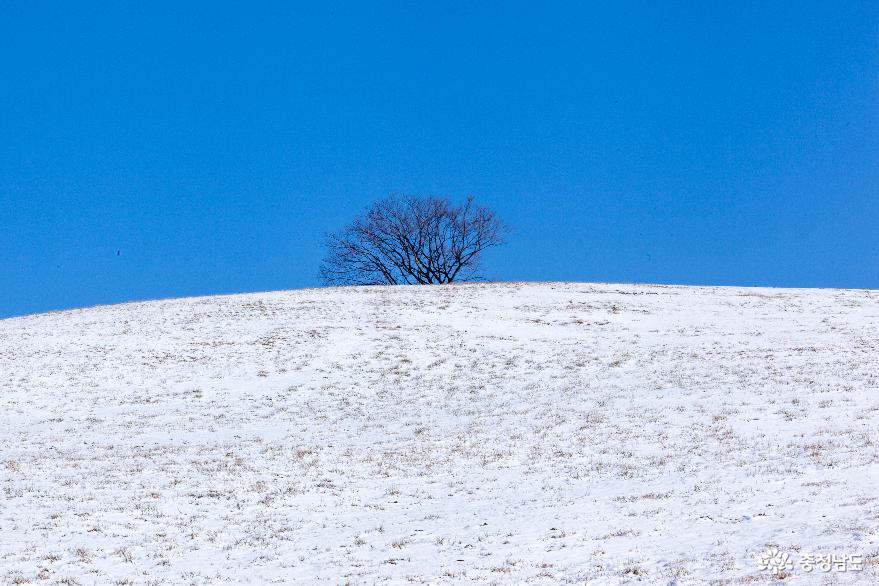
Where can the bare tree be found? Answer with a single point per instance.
(412, 240)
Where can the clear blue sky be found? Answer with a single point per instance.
(212, 144)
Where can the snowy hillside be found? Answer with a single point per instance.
(499, 433)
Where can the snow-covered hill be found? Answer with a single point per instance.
(498, 433)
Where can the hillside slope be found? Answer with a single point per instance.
(508, 433)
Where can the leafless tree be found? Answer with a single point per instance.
(412, 240)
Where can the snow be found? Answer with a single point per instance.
(489, 433)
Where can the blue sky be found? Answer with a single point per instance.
(166, 149)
